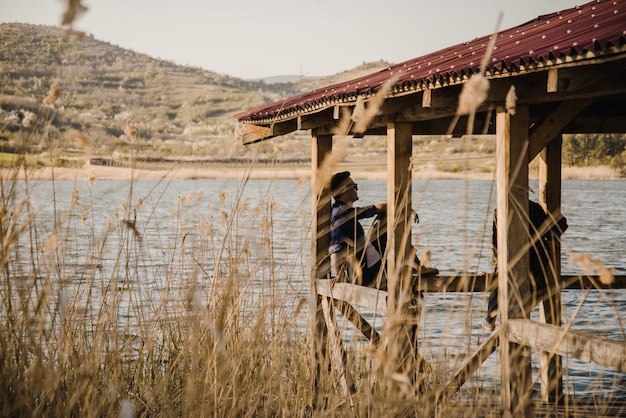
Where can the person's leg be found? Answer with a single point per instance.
(378, 234)
(373, 277)
(492, 311)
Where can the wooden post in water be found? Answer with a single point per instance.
(551, 369)
(513, 271)
(321, 148)
(401, 329)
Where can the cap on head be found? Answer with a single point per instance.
(338, 182)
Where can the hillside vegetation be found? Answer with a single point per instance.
(178, 110)
(183, 113)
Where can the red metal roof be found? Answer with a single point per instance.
(582, 32)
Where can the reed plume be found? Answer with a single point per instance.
(74, 8)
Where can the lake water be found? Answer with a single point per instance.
(184, 224)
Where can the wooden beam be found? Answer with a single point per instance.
(249, 133)
(512, 239)
(399, 197)
(321, 147)
(469, 366)
(553, 125)
(551, 369)
(566, 342)
(400, 338)
(338, 355)
(354, 294)
(553, 79)
(317, 120)
(426, 97)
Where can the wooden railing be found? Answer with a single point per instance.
(548, 338)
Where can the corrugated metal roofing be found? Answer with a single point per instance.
(583, 32)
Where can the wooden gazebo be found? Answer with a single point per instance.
(562, 73)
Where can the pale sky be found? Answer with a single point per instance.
(259, 38)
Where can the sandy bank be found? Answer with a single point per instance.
(191, 173)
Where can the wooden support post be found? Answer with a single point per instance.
(321, 148)
(401, 328)
(399, 196)
(551, 369)
(513, 269)
(338, 358)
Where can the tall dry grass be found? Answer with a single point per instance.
(103, 318)
(125, 315)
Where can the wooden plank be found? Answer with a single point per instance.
(469, 366)
(512, 238)
(554, 124)
(574, 344)
(249, 133)
(458, 283)
(553, 80)
(360, 323)
(487, 283)
(338, 355)
(321, 147)
(376, 299)
(592, 282)
(551, 366)
(354, 294)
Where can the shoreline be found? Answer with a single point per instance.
(96, 172)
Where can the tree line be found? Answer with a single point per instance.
(595, 149)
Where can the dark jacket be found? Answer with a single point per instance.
(542, 239)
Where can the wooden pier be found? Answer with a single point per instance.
(559, 74)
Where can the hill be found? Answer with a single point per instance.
(181, 113)
(178, 110)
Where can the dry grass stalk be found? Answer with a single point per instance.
(74, 9)
(131, 130)
(592, 265)
(363, 115)
(473, 94)
(52, 96)
(511, 101)
(325, 172)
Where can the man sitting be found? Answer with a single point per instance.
(355, 257)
